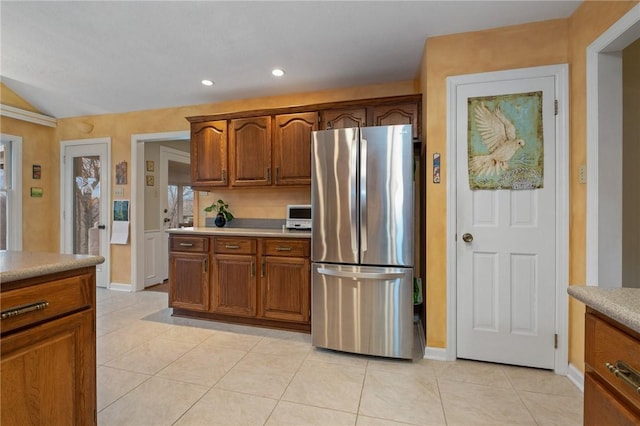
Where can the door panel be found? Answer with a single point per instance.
(86, 205)
(506, 268)
(334, 196)
(386, 196)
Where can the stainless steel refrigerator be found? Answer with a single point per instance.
(362, 240)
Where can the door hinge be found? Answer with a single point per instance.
(555, 341)
(555, 107)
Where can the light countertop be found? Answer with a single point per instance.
(619, 304)
(242, 232)
(18, 265)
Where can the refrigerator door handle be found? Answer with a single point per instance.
(352, 199)
(361, 275)
(363, 195)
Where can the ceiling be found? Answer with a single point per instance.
(82, 58)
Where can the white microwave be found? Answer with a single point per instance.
(299, 216)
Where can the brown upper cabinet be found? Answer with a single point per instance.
(344, 118)
(272, 147)
(250, 151)
(388, 115)
(209, 154)
(292, 148)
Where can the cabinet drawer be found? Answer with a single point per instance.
(235, 245)
(607, 344)
(29, 305)
(191, 244)
(285, 247)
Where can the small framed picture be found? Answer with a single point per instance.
(150, 180)
(121, 173)
(150, 166)
(36, 171)
(36, 192)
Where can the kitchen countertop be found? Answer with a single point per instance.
(18, 265)
(242, 232)
(619, 304)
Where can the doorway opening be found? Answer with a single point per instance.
(609, 245)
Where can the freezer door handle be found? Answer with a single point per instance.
(361, 275)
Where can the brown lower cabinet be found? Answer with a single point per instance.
(48, 354)
(611, 396)
(257, 281)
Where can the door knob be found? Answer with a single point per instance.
(166, 219)
(467, 238)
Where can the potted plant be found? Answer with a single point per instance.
(223, 215)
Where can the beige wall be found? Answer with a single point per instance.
(630, 166)
(534, 44)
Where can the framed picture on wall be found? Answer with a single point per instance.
(150, 180)
(150, 166)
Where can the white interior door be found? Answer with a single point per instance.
(85, 178)
(506, 268)
(170, 201)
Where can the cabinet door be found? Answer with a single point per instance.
(209, 154)
(250, 142)
(47, 373)
(344, 118)
(292, 148)
(285, 288)
(601, 407)
(189, 281)
(234, 285)
(388, 115)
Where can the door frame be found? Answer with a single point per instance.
(604, 118)
(14, 212)
(105, 188)
(561, 74)
(137, 197)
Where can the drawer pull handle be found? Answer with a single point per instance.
(232, 246)
(282, 248)
(626, 374)
(24, 309)
(186, 245)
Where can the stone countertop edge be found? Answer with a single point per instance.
(19, 265)
(619, 304)
(242, 232)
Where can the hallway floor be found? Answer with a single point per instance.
(154, 369)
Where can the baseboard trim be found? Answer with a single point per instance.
(576, 376)
(121, 287)
(438, 354)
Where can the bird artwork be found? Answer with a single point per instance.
(499, 136)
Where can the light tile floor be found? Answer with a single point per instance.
(154, 369)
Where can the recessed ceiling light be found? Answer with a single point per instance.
(277, 72)
(207, 82)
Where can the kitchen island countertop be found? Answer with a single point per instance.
(242, 232)
(619, 304)
(18, 265)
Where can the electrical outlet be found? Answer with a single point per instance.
(582, 174)
(119, 192)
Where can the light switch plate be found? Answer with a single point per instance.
(582, 174)
(119, 192)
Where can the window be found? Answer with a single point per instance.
(5, 187)
(180, 202)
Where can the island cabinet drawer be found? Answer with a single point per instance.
(614, 355)
(34, 304)
(188, 243)
(285, 247)
(235, 245)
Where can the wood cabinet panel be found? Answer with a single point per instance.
(234, 288)
(602, 408)
(57, 298)
(388, 115)
(209, 157)
(235, 245)
(285, 247)
(292, 148)
(189, 280)
(47, 373)
(188, 243)
(343, 118)
(285, 288)
(250, 156)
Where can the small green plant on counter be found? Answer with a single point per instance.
(220, 207)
